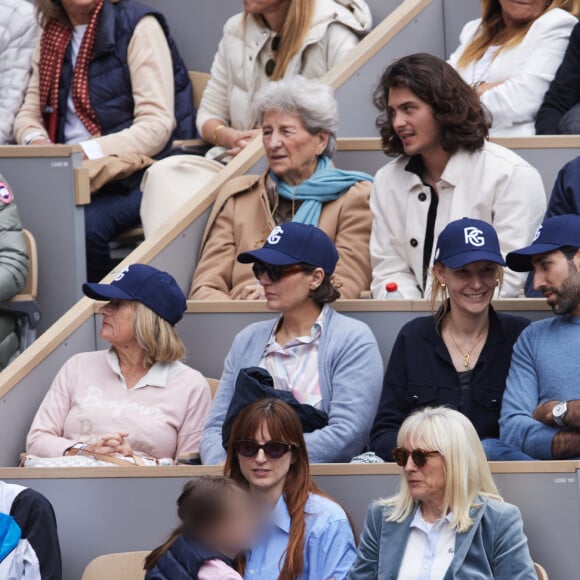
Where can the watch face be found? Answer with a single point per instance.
(559, 410)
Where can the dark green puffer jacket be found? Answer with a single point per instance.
(13, 268)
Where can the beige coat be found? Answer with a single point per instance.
(241, 221)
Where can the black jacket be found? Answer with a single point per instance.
(564, 91)
(420, 374)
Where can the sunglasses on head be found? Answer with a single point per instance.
(251, 448)
(419, 456)
(271, 63)
(273, 272)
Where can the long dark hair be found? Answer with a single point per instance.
(283, 425)
(201, 505)
(463, 119)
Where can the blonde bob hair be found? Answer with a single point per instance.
(48, 11)
(493, 32)
(292, 35)
(156, 337)
(466, 469)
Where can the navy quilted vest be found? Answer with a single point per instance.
(110, 80)
(182, 561)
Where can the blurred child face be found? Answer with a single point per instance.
(236, 532)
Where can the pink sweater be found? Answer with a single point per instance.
(164, 413)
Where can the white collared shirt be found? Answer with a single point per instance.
(157, 376)
(430, 549)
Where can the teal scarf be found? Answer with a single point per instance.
(326, 184)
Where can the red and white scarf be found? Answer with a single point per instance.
(53, 46)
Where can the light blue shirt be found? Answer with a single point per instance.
(329, 548)
(436, 541)
(545, 367)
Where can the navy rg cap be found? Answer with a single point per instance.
(555, 233)
(155, 289)
(295, 243)
(465, 241)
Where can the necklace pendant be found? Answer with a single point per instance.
(466, 364)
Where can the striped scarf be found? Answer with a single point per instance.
(53, 46)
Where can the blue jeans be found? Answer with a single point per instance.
(110, 213)
(497, 450)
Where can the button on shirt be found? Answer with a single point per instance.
(329, 549)
(430, 549)
(294, 366)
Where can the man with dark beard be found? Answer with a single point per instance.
(541, 405)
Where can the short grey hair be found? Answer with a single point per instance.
(312, 100)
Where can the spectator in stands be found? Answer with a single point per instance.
(510, 55)
(18, 37)
(326, 360)
(560, 111)
(136, 398)
(29, 546)
(13, 269)
(306, 533)
(448, 519)
(541, 406)
(299, 120)
(270, 40)
(107, 75)
(217, 524)
(460, 356)
(446, 170)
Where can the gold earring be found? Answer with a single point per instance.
(443, 285)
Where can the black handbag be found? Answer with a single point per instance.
(256, 383)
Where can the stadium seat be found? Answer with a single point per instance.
(24, 305)
(542, 574)
(124, 566)
(213, 385)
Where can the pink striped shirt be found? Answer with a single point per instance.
(294, 366)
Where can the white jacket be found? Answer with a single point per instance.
(237, 73)
(492, 184)
(19, 34)
(525, 71)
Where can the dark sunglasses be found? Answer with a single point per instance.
(419, 456)
(271, 63)
(251, 448)
(275, 273)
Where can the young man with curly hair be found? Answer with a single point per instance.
(445, 170)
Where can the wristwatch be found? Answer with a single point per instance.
(559, 412)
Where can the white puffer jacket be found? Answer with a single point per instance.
(18, 37)
(238, 70)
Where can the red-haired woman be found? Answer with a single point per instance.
(307, 534)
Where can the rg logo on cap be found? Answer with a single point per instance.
(276, 235)
(120, 275)
(474, 236)
(537, 234)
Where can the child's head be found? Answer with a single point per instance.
(217, 512)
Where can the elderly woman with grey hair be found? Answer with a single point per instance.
(299, 121)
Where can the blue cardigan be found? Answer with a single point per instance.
(350, 367)
(494, 547)
(420, 374)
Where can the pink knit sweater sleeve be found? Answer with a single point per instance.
(45, 437)
(198, 407)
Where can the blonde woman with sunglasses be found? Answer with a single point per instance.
(448, 520)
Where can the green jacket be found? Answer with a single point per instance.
(13, 268)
